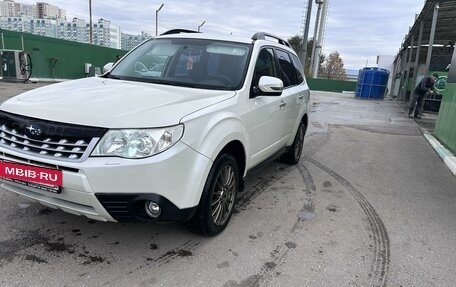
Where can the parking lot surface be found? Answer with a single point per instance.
(369, 204)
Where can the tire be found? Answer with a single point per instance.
(293, 154)
(217, 200)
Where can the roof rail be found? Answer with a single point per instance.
(178, 31)
(263, 35)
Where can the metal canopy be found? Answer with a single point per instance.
(445, 33)
(430, 41)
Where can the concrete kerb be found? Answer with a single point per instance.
(448, 158)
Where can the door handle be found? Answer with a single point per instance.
(300, 97)
(282, 104)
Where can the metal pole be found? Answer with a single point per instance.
(315, 36)
(156, 18)
(3, 42)
(320, 39)
(199, 27)
(431, 39)
(409, 63)
(417, 55)
(306, 35)
(91, 24)
(404, 73)
(22, 42)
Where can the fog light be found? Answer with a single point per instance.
(152, 209)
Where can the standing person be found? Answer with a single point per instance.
(425, 85)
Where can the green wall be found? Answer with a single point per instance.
(56, 58)
(445, 128)
(331, 85)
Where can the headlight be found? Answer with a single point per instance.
(138, 143)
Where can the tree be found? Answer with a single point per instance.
(333, 67)
(296, 44)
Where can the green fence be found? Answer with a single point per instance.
(331, 85)
(445, 128)
(58, 59)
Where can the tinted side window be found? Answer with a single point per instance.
(287, 70)
(298, 68)
(264, 66)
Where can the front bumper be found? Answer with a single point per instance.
(113, 189)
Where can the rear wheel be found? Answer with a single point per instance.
(293, 155)
(219, 194)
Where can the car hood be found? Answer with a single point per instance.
(113, 103)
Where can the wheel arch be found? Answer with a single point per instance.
(305, 120)
(237, 150)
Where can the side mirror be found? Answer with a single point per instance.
(270, 86)
(107, 67)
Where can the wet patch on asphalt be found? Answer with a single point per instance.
(44, 211)
(27, 242)
(406, 130)
(34, 258)
(185, 250)
(321, 106)
(332, 208)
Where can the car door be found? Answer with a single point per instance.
(292, 95)
(264, 121)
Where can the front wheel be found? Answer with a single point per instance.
(293, 155)
(219, 194)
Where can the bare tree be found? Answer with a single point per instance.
(333, 67)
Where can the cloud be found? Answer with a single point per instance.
(358, 30)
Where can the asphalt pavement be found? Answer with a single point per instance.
(369, 204)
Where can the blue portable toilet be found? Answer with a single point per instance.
(372, 83)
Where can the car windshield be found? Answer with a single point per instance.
(206, 64)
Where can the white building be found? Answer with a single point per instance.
(101, 33)
(8, 8)
(29, 10)
(48, 11)
(43, 27)
(115, 37)
(41, 10)
(130, 41)
(77, 30)
(49, 20)
(19, 24)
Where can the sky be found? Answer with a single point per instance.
(358, 29)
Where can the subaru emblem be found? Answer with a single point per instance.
(33, 131)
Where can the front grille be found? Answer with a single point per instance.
(46, 138)
(55, 147)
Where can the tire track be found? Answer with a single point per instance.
(311, 189)
(257, 189)
(380, 264)
(315, 142)
(280, 253)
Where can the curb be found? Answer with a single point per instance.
(448, 158)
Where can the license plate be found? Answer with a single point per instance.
(47, 179)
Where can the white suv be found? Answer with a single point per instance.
(168, 134)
